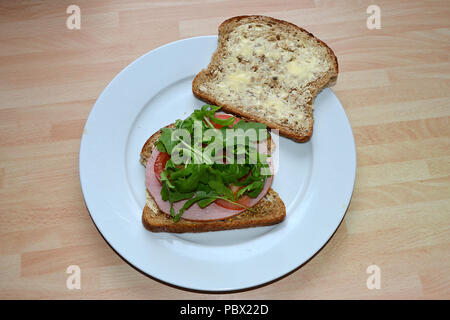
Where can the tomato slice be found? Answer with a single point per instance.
(244, 200)
(160, 164)
(223, 116)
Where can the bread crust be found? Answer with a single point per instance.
(268, 211)
(318, 85)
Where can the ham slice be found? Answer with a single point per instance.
(194, 213)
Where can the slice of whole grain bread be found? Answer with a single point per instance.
(268, 211)
(269, 71)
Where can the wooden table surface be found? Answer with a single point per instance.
(394, 84)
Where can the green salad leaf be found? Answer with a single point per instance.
(208, 180)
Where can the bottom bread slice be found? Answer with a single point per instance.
(268, 211)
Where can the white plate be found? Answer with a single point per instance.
(315, 179)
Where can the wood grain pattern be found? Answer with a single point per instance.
(394, 84)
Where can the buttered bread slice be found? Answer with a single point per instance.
(269, 71)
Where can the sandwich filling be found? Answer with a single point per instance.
(211, 166)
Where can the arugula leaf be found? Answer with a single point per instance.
(166, 140)
(201, 195)
(206, 182)
(165, 192)
(188, 204)
(164, 178)
(220, 188)
(206, 202)
(253, 189)
(160, 146)
(178, 196)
